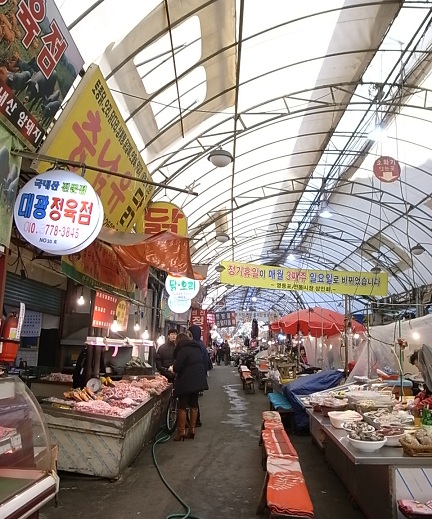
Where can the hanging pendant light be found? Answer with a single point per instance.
(220, 158)
(81, 300)
(219, 268)
(376, 269)
(418, 249)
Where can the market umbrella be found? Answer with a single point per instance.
(315, 321)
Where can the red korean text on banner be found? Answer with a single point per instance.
(199, 317)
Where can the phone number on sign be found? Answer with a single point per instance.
(52, 230)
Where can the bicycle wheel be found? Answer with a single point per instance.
(171, 416)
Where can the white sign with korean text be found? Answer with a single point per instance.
(183, 287)
(59, 212)
(178, 304)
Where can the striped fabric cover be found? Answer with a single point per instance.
(287, 493)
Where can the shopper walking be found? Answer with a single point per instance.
(195, 330)
(191, 378)
(227, 354)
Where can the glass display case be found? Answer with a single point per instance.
(28, 477)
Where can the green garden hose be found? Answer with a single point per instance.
(163, 437)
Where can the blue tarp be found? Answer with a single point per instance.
(306, 386)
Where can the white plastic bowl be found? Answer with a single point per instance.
(367, 446)
(338, 418)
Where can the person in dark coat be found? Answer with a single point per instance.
(165, 355)
(191, 378)
(195, 330)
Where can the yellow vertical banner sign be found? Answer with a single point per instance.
(91, 130)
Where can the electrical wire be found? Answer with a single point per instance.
(163, 437)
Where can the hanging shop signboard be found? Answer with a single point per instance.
(43, 62)
(199, 318)
(122, 314)
(225, 319)
(104, 310)
(327, 281)
(91, 130)
(59, 212)
(386, 169)
(182, 287)
(163, 216)
(259, 316)
(179, 305)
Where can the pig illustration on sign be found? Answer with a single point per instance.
(49, 110)
(39, 88)
(17, 81)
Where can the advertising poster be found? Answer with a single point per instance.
(104, 310)
(10, 166)
(40, 62)
(280, 278)
(91, 130)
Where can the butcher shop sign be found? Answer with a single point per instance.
(40, 62)
(58, 212)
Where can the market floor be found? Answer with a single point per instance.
(218, 474)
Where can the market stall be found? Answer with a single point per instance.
(28, 476)
(100, 431)
(375, 480)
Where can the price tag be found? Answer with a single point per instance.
(15, 441)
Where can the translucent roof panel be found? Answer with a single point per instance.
(293, 92)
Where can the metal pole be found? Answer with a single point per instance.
(84, 166)
(368, 340)
(346, 332)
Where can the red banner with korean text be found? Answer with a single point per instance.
(91, 130)
(39, 63)
(104, 310)
(97, 267)
(199, 317)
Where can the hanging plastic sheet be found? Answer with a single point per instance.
(165, 251)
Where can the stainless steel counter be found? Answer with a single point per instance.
(374, 480)
(104, 446)
(384, 456)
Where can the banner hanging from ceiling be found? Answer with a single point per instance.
(225, 319)
(91, 130)
(326, 281)
(41, 62)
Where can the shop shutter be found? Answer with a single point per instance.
(35, 295)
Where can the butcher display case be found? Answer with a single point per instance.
(103, 445)
(28, 478)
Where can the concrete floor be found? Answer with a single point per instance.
(218, 474)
